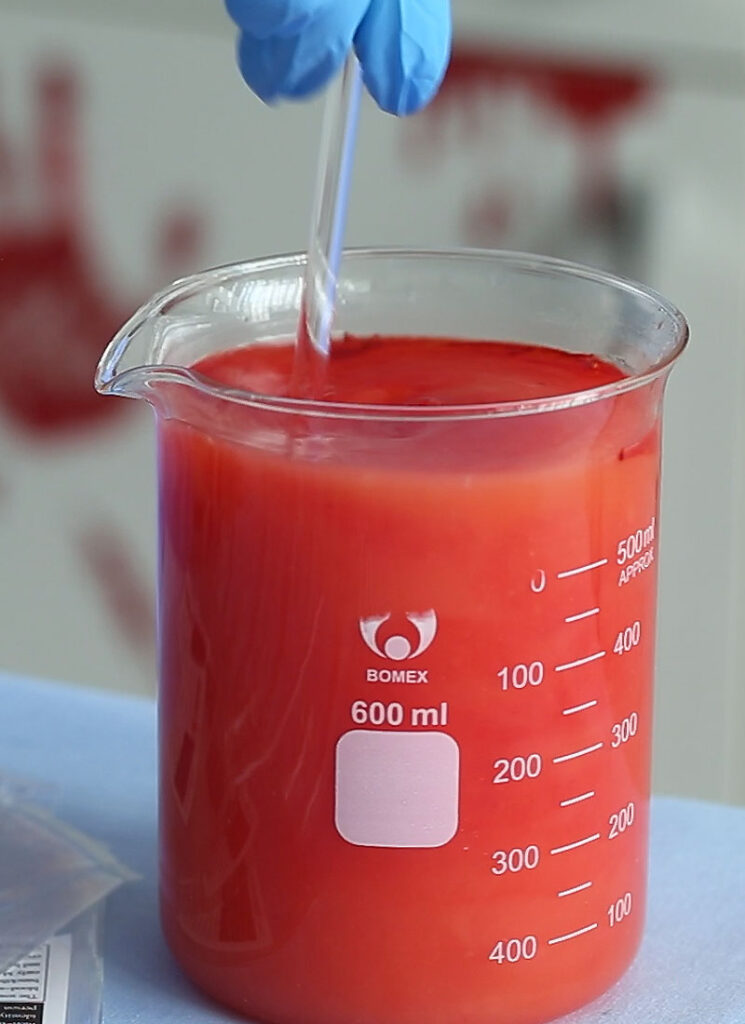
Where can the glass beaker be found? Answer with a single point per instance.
(406, 652)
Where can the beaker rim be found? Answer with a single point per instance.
(111, 380)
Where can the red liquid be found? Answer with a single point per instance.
(337, 849)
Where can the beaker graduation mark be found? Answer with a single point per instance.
(573, 935)
(577, 844)
(579, 707)
(580, 661)
(582, 568)
(578, 753)
(576, 799)
(582, 615)
(576, 888)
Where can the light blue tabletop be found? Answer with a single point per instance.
(94, 755)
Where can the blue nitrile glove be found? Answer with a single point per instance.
(291, 48)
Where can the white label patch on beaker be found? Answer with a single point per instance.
(397, 789)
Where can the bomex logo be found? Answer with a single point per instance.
(397, 647)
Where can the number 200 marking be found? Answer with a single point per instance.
(622, 820)
(515, 769)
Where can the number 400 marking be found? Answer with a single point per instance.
(511, 951)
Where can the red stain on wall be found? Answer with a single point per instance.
(490, 214)
(588, 94)
(57, 310)
(585, 98)
(107, 557)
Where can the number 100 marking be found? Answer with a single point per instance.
(517, 677)
(620, 909)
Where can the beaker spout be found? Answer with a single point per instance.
(150, 349)
(123, 369)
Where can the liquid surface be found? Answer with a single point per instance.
(418, 371)
(406, 690)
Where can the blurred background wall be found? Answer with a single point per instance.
(607, 131)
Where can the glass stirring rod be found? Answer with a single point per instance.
(335, 162)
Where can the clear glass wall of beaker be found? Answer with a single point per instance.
(406, 652)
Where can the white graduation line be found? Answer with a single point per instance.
(578, 753)
(582, 568)
(573, 935)
(579, 842)
(579, 707)
(580, 661)
(582, 615)
(576, 799)
(576, 888)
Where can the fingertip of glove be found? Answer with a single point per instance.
(278, 69)
(403, 90)
(404, 50)
(407, 97)
(259, 74)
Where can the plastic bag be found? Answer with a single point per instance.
(49, 874)
(61, 981)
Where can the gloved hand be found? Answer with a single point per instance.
(291, 48)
